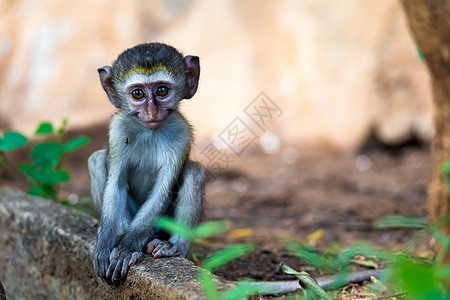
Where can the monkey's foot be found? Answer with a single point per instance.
(159, 248)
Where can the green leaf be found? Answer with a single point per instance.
(226, 255)
(171, 226)
(401, 222)
(443, 272)
(44, 191)
(418, 279)
(29, 170)
(307, 282)
(310, 256)
(208, 229)
(201, 231)
(45, 175)
(12, 140)
(241, 291)
(47, 154)
(76, 143)
(363, 249)
(44, 128)
(208, 284)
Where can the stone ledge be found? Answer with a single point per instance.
(46, 253)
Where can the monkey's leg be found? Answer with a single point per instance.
(98, 178)
(187, 211)
(97, 174)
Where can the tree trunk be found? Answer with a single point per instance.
(430, 23)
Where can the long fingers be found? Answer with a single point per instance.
(101, 263)
(134, 257)
(164, 249)
(152, 245)
(117, 271)
(125, 266)
(120, 263)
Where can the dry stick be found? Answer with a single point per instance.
(283, 287)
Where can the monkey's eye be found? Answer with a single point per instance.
(138, 94)
(162, 90)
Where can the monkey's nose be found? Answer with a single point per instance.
(151, 114)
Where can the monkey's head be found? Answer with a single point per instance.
(149, 80)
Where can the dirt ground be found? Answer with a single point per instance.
(295, 193)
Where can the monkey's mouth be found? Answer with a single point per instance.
(153, 124)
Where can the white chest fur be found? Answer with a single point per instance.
(144, 152)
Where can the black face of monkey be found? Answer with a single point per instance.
(149, 80)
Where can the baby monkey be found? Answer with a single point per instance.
(145, 172)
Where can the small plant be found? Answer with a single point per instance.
(45, 174)
(420, 278)
(215, 260)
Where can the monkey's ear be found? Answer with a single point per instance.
(192, 65)
(107, 84)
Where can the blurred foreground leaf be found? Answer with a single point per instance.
(310, 256)
(211, 228)
(226, 255)
(401, 222)
(171, 226)
(203, 230)
(418, 279)
(241, 291)
(208, 284)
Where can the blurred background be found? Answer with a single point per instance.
(339, 71)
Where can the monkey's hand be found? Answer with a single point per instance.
(122, 257)
(105, 244)
(159, 248)
(101, 263)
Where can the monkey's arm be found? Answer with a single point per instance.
(113, 219)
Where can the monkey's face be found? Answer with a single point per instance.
(149, 80)
(151, 98)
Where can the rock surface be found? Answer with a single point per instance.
(46, 253)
